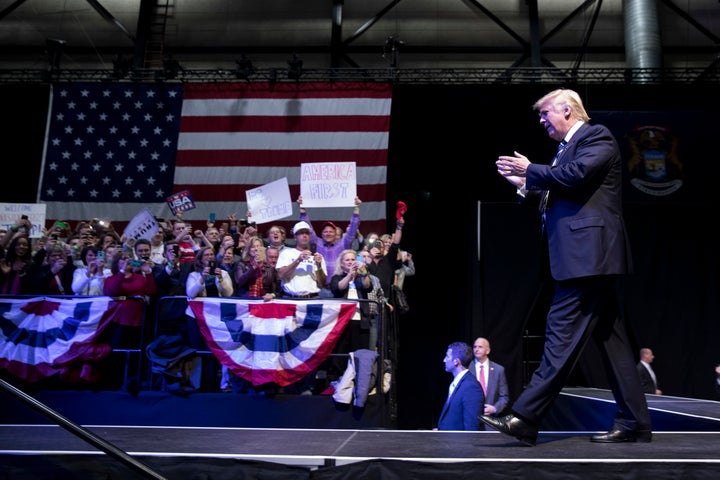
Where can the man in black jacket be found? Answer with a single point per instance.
(646, 372)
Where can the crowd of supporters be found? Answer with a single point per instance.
(229, 259)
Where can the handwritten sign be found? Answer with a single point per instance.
(270, 202)
(330, 184)
(11, 212)
(142, 225)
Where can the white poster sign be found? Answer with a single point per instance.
(10, 212)
(330, 184)
(143, 225)
(270, 202)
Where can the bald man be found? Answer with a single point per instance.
(646, 373)
(496, 387)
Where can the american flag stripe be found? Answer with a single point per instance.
(280, 158)
(339, 123)
(260, 132)
(368, 177)
(302, 143)
(228, 194)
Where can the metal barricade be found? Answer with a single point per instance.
(170, 318)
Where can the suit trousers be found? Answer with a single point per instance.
(584, 309)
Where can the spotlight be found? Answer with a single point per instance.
(295, 68)
(244, 68)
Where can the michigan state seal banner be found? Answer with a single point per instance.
(279, 341)
(664, 154)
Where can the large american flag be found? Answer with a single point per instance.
(113, 149)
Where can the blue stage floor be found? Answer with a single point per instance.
(185, 452)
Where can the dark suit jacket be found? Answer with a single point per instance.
(497, 393)
(461, 411)
(585, 228)
(646, 380)
(41, 278)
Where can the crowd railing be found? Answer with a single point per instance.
(39, 320)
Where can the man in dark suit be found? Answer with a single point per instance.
(465, 397)
(491, 377)
(580, 199)
(648, 380)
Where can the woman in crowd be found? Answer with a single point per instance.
(227, 263)
(22, 225)
(130, 278)
(90, 278)
(52, 270)
(351, 281)
(106, 240)
(254, 276)
(15, 265)
(206, 280)
(228, 243)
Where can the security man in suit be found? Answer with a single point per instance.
(491, 377)
(648, 380)
(465, 396)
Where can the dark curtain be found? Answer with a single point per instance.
(479, 275)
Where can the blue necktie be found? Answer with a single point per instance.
(561, 147)
(546, 193)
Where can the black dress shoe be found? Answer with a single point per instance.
(621, 436)
(513, 426)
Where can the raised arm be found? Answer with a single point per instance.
(304, 218)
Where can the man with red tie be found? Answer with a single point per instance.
(491, 377)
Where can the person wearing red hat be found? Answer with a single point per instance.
(327, 244)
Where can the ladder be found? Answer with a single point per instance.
(154, 57)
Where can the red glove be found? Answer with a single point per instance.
(401, 209)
